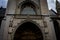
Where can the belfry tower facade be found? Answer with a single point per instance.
(28, 20)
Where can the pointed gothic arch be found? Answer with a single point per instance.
(20, 4)
(28, 7)
(26, 29)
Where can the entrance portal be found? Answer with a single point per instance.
(28, 31)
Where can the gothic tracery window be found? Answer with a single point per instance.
(28, 9)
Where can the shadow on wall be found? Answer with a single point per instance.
(2, 14)
(57, 29)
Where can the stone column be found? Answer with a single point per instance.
(44, 7)
(50, 29)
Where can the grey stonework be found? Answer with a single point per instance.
(14, 19)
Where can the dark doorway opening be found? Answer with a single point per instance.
(57, 29)
(28, 31)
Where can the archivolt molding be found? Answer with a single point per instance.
(21, 3)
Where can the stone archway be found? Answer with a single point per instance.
(28, 31)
